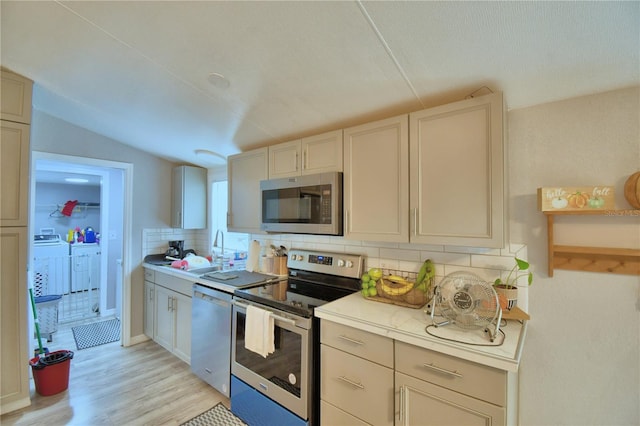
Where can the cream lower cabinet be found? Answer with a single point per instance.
(244, 173)
(376, 181)
(437, 389)
(167, 313)
(149, 307)
(356, 377)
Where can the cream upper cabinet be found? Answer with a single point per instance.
(16, 98)
(14, 162)
(315, 154)
(189, 198)
(245, 171)
(376, 181)
(457, 173)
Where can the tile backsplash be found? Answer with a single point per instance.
(486, 263)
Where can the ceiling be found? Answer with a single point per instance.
(139, 71)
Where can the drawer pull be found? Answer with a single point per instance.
(349, 339)
(442, 370)
(351, 382)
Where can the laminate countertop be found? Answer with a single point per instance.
(413, 326)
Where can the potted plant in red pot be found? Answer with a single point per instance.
(508, 289)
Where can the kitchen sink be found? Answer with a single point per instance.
(204, 270)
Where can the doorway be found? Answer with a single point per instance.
(97, 202)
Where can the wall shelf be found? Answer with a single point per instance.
(593, 259)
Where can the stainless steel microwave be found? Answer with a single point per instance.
(310, 204)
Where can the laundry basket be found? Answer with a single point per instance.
(47, 309)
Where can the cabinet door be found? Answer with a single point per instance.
(376, 181)
(164, 320)
(189, 197)
(14, 367)
(457, 173)
(16, 97)
(285, 160)
(149, 308)
(182, 339)
(14, 168)
(357, 386)
(245, 171)
(322, 153)
(425, 404)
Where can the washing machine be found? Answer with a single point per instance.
(85, 267)
(50, 265)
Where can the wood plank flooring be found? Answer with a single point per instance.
(110, 385)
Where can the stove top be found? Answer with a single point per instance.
(315, 278)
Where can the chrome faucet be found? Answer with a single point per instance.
(215, 244)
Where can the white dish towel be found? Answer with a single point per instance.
(258, 331)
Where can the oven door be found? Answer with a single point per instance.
(284, 375)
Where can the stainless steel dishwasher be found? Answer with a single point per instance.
(211, 337)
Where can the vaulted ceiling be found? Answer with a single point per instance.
(172, 77)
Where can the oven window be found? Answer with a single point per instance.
(282, 367)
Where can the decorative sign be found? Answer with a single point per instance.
(576, 198)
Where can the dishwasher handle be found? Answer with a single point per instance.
(197, 295)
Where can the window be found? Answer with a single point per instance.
(233, 241)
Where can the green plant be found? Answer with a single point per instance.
(512, 281)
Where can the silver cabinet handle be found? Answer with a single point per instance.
(351, 382)
(442, 370)
(169, 304)
(295, 162)
(350, 340)
(305, 159)
(401, 404)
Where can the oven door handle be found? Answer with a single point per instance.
(275, 316)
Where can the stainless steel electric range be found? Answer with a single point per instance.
(283, 387)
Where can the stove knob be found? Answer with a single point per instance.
(349, 264)
(340, 263)
(299, 257)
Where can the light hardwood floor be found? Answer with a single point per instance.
(110, 385)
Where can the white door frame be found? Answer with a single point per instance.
(127, 169)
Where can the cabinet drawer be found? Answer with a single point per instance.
(357, 386)
(476, 380)
(333, 416)
(176, 284)
(357, 342)
(149, 275)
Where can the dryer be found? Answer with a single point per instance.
(50, 265)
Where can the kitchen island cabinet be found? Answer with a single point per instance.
(473, 382)
(376, 181)
(314, 154)
(245, 171)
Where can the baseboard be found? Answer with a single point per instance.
(7, 407)
(134, 340)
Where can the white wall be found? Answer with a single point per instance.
(151, 186)
(581, 361)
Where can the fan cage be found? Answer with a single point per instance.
(474, 315)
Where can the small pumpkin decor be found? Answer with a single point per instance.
(507, 290)
(632, 190)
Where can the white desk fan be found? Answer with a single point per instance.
(467, 301)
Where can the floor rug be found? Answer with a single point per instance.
(96, 334)
(216, 416)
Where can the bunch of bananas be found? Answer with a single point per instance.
(394, 285)
(425, 276)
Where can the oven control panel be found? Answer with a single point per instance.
(342, 264)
